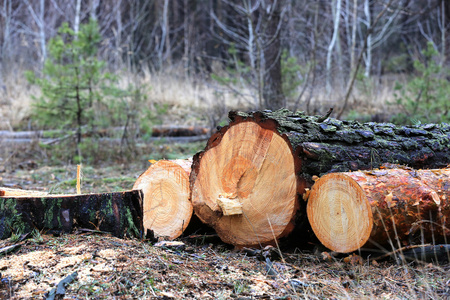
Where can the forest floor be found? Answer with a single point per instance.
(105, 267)
(199, 267)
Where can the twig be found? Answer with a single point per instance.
(7, 249)
(325, 116)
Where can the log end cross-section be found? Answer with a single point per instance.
(244, 184)
(339, 213)
(167, 209)
(390, 207)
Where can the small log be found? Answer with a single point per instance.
(386, 207)
(119, 213)
(167, 209)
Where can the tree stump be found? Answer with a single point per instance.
(246, 182)
(119, 213)
(388, 207)
(167, 209)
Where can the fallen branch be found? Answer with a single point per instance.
(425, 252)
(8, 249)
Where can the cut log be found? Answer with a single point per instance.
(119, 213)
(261, 159)
(386, 207)
(244, 184)
(167, 207)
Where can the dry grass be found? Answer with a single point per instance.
(194, 100)
(15, 100)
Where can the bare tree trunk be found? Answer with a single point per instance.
(76, 23)
(186, 36)
(6, 14)
(273, 91)
(368, 60)
(42, 30)
(118, 56)
(165, 40)
(39, 20)
(443, 34)
(93, 9)
(354, 24)
(337, 14)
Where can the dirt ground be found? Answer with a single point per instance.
(105, 267)
(200, 267)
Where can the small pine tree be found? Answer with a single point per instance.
(73, 80)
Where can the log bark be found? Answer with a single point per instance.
(261, 160)
(119, 213)
(340, 146)
(387, 207)
(167, 209)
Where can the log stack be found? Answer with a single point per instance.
(246, 183)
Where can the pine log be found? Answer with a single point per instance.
(119, 213)
(244, 184)
(255, 165)
(387, 207)
(167, 208)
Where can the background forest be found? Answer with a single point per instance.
(95, 64)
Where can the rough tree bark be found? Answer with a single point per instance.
(385, 207)
(261, 160)
(166, 207)
(119, 213)
(327, 145)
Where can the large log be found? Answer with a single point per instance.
(245, 182)
(119, 213)
(167, 209)
(386, 207)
